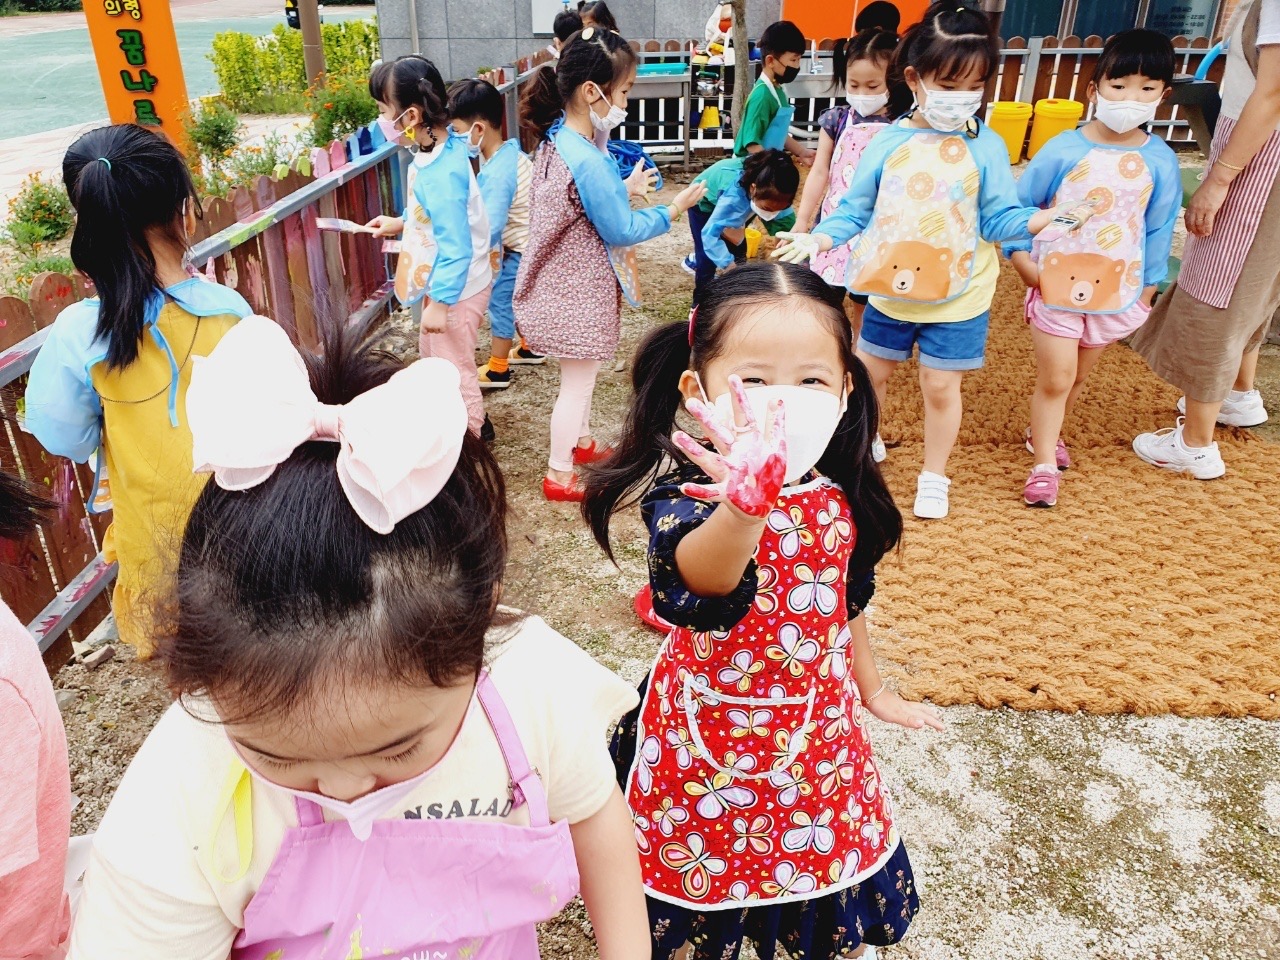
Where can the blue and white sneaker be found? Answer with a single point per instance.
(690, 265)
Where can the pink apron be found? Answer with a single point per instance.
(833, 265)
(417, 889)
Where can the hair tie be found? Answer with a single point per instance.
(106, 161)
(693, 316)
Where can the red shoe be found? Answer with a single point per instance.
(583, 456)
(570, 492)
(644, 610)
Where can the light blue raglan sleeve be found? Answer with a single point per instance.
(604, 196)
(1001, 215)
(1162, 210)
(62, 410)
(443, 190)
(732, 211)
(497, 182)
(1039, 183)
(853, 214)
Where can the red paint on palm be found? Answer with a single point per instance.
(751, 463)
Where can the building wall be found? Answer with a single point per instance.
(463, 35)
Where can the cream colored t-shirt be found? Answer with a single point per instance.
(152, 891)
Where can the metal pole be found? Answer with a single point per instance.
(312, 46)
(413, 27)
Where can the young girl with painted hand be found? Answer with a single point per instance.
(759, 186)
(1092, 288)
(758, 807)
(112, 376)
(576, 268)
(368, 756)
(444, 255)
(930, 197)
(863, 63)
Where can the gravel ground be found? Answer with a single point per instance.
(1035, 836)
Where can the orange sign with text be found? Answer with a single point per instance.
(832, 19)
(137, 53)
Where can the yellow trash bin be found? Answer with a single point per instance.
(1051, 118)
(754, 237)
(1009, 118)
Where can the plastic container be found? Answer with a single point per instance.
(754, 237)
(662, 70)
(1052, 117)
(1009, 118)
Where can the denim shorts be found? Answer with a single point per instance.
(943, 346)
(502, 316)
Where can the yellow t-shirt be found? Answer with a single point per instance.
(153, 890)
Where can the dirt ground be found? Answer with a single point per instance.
(1034, 836)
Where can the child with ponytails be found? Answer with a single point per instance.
(112, 376)
(758, 806)
(860, 66)
(577, 265)
(931, 196)
(444, 255)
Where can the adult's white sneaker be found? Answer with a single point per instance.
(932, 501)
(1246, 411)
(1165, 449)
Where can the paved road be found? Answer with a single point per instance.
(50, 79)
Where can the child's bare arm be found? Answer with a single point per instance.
(612, 889)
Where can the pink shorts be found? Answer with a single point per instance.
(1093, 330)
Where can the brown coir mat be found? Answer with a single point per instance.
(1142, 591)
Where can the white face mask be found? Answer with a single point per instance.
(812, 417)
(765, 215)
(950, 110)
(360, 813)
(1121, 116)
(473, 147)
(611, 119)
(867, 106)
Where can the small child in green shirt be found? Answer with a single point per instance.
(766, 121)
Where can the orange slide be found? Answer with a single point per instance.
(831, 19)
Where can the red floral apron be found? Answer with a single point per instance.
(753, 779)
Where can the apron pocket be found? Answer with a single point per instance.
(747, 738)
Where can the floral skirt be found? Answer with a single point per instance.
(876, 911)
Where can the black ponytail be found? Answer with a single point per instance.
(414, 81)
(21, 506)
(589, 56)
(130, 188)
(874, 43)
(665, 354)
(621, 479)
(772, 172)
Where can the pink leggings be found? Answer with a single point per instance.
(457, 344)
(571, 417)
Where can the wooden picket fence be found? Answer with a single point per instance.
(263, 241)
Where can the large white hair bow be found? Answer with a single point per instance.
(250, 406)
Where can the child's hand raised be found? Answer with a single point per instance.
(891, 708)
(641, 181)
(748, 464)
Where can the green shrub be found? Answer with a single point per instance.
(339, 108)
(260, 160)
(40, 6)
(16, 281)
(214, 130)
(265, 72)
(40, 213)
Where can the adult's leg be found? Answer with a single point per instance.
(943, 410)
(1248, 370)
(577, 382)
(1197, 428)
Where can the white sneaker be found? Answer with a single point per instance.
(1248, 411)
(1165, 448)
(878, 452)
(690, 264)
(932, 502)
